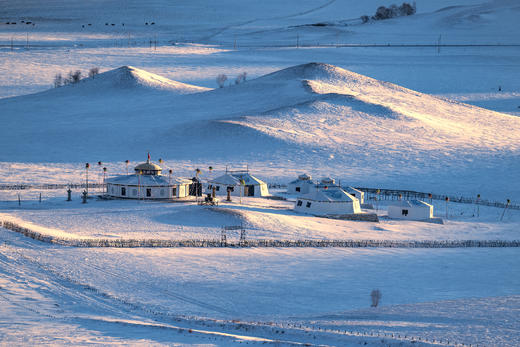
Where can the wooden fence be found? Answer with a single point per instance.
(393, 194)
(129, 243)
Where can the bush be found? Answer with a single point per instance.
(221, 79)
(375, 296)
(241, 78)
(76, 76)
(58, 80)
(93, 72)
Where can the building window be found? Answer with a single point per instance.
(297, 189)
(134, 192)
(308, 205)
(404, 212)
(299, 203)
(218, 188)
(123, 191)
(174, 192)
(148, 192)
(162, 192)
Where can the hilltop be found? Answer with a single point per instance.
(310, 114)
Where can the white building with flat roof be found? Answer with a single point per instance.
(302, 185)
(410, 210)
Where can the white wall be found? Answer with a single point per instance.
(414, 212)
(134, 192)
(260, 190)
(304, 187)
(319, 208)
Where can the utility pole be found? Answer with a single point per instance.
(505, 208)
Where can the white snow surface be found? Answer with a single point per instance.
(407, 113)
(312, 115)
(107, 293)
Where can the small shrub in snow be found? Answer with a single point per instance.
(221, 79)
(375, 296)
(76, 76)
(93, 72)
(58, 80)
(241, 78)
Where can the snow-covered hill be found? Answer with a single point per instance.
(309, 115)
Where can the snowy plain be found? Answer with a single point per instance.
(348, 118)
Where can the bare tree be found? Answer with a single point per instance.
(93, 72)
(221, 79)
(58, 80)
(241, 78)
(69, 79)
(76, 76)
(375, 296)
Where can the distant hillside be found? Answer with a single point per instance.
(304, 116)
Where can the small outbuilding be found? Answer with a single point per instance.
(239, 183)
(327, 198)
(147, 183)
(410, 210)
(302, 185)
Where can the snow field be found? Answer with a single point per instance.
(313, 287)
(262, 218)
(384, 136)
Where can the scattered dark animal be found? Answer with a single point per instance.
(106, 23)
(153, 23)
(28, 22)
(89, 24)
(113, 24)
(146, 23)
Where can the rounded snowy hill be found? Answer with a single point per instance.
(307, 116)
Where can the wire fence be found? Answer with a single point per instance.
(49, 186)
(242, 243)
(395, 194)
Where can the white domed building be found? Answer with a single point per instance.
(327, 199)
(147, 183)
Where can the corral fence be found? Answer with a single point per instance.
(242, 243)
(395, 194)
